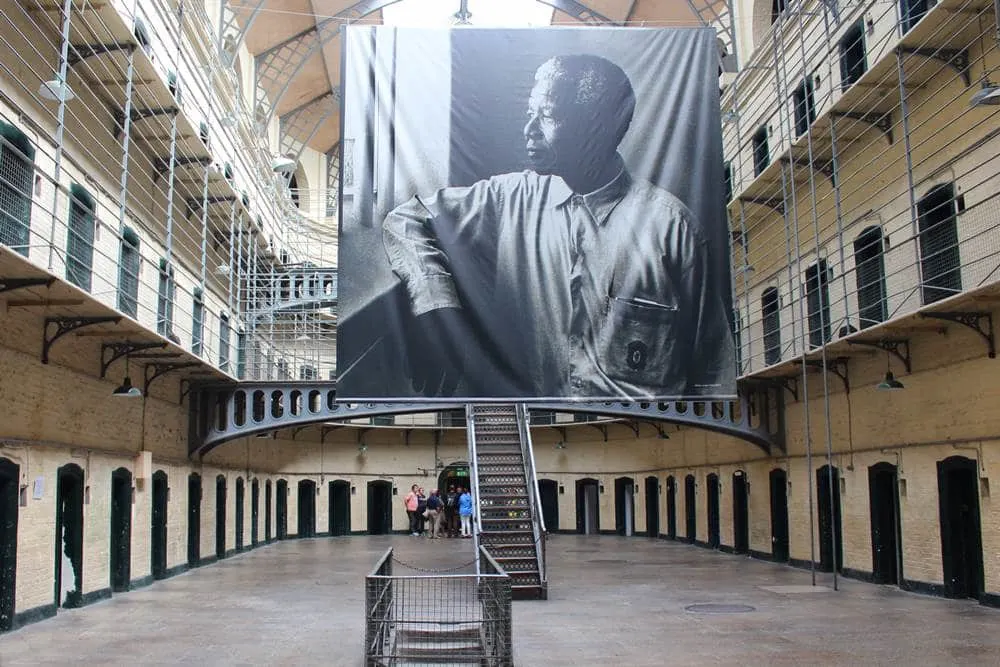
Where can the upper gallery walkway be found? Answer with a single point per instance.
(613, 601)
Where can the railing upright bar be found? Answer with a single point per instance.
(537, 518)
(470, 420)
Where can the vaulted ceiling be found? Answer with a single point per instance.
(296, 46)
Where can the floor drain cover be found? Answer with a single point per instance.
(713, 608)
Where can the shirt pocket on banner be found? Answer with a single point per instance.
(636, 342)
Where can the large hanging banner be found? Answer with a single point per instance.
(533, 214)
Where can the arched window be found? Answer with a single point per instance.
(940, 264)
(128, 273)
(80, 237)
(165, 300)
(770, 309)
(777, 9)
(293, 190)
(869, 273)
(818, 303)
(17, 164)
(761, 154)
(198, 322)
(911, 11)
(224, 342)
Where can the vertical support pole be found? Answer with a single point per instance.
(821, 280)
(795, 277)
(737, 177)
(126, 136)
(169, 249)
(204, 226)
(905, 112)
(67, 13)
(232, 258)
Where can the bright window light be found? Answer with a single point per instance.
(484, 13)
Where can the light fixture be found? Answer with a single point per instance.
(890, 383)
(229, 120)
(126, 390)
(283, 165)
(989, 94)
(56, 90)
(560, 445)
(222, 269)
(730, 117)
(302, 338)
(362, 448)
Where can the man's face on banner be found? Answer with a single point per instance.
(552, 133)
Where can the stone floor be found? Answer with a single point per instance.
(613, 601)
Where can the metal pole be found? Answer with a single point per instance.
(170, 188)
(204, 226)
(232, 261)
(126, 136)
(60, 127)
(821, 280)
(905, 111)
(795, 278)
(737, 177)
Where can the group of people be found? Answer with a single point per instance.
(428, 514)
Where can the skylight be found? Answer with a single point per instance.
(483, 13)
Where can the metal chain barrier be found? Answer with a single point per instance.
(433, 570)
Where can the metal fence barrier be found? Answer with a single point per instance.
(438, 617)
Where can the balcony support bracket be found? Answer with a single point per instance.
(978, 321)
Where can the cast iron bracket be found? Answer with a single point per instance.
(827, 170)
(789, 382)
(119, 350)
(159, 370)
(78, 52)
(883, 121)
(974, 320)
(139, 114)
(663, 435)
(195, 204)
(777, 205)
(65, 325)
(162, 164)
(837, 366)
(957, 59)
(603, 428)
(890, 345)
(11, 284)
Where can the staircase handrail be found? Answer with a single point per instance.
(470, 421)
(528, 454)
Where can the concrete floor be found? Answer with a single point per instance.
(613, 601)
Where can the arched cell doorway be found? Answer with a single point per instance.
(548, 490)
(671, 507)
(690, 509)
(712, 509)
(779, 514)
(831, 547)
(307, 508)
(340, 507)
(240, 499)
(220, 516)
(741, 513)
(158, 527)
(281, 509)
(120, 553)
(652, 506)
(69, 536)
(883, 490)
(454, 475)
(268, 503)
(194, 519)
(625, 506)
(10, 476)
(254, 512)
(379, 507)
(961, 539)
(588, 506)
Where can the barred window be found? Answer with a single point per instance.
(940, 263)
(128, 273)
(772, 325)
(80, 237)
(869, 262)
(818, 303)
(224, 342)
(198, 323)
(165, 300)
(17, 166)
(852, 55)
(761, 155)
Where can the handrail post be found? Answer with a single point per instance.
(470, 421)
(528, 454)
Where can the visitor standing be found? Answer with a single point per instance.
(421, 508)
(410, 501)
(435, 508)
(451, 512)
(465, 512)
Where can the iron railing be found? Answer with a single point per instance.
(470, 420)
(531, 479)
(438, 617)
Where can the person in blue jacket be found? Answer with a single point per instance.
(465, 512)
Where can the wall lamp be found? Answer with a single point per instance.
(56, 90)
(126, 390)
(989, 94)
(890, 383)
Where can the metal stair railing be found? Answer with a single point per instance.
(531, 479)
(470, 421)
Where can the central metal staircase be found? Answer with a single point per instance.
(508, 511)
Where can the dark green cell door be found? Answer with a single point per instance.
(121, 529)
